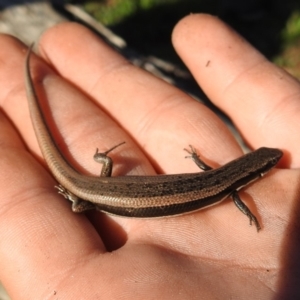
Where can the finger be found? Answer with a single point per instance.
(159, 117)
(262, 99)
(37, 228)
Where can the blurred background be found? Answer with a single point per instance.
(272, 26)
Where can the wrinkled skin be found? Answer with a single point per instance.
(96, 99)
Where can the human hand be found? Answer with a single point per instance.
(47, 251)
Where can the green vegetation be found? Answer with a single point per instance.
(113, 12)
(291, 32)
(289, 58)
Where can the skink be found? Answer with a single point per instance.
(147, 196)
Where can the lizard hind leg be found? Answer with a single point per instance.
(78, 205)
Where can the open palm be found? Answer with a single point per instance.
(97, 99)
